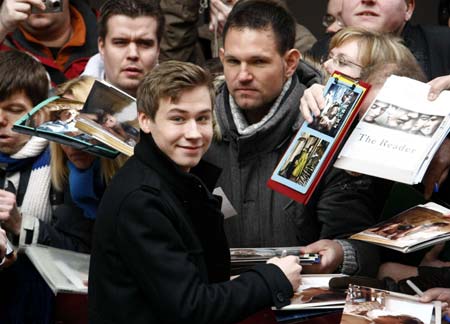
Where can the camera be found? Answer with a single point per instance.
(51, 6)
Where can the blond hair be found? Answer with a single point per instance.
(78, 89)
(374, 47)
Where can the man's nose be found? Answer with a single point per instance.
(192, 130)
(133, 51)
(244, 74)
(3, 119)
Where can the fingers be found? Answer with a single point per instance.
(312, 102)
(433, 254)
(438, 169)
(437, 86)
(2, 244)
(441, 294)
(15, 11)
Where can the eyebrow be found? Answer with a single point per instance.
(185, 111)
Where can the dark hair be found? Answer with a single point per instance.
(20, 71)
(169, 80)
(444, 12)
(132, 9)
(264, 14)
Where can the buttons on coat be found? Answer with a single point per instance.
(280, 297)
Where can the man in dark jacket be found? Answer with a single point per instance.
(62, 41)
(160, 254)
(257, 111)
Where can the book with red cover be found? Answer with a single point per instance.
(314, 146)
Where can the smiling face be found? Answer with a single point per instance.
(255, 72)
(11, 109)
(382, 15)
(130, 49)
(182, 130)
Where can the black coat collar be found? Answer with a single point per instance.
(203, 175)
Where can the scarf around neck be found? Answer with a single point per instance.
(86, 187)
(36, 200)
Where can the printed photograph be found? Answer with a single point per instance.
(394, 117)
(415, 225)
(305, 157)
(338, 103)
(373, 306)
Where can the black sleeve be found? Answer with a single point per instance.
(71, 231)
(165, 271)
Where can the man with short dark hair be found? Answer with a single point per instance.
(25, 201)
(62, 41)
(129, 39)
(257, 111)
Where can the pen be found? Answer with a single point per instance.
(414, 287)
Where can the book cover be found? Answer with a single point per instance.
(54, 119)
(109, 110)
(370, 305)
(399, 134)
(313, 147)
(411, 230)
(64, 271)
(315, 293)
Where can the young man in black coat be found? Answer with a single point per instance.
(159, 252)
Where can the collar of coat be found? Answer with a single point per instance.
(202, 177)
(270, 136)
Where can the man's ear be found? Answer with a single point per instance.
(291, 59)
(101, 46)
(410, 5)
(144, 122)
(221, 54)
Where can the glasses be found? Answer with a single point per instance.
(340, 61)
(329, 20)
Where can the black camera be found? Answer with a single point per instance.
(51, 6)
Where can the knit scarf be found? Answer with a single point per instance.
(86, 187)
(240, 121)
(36, 200)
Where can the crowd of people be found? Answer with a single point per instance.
(158, 239)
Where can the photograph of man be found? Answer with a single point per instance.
(376, 110)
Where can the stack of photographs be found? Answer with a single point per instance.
(244, 258)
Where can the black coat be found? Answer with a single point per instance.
(159, 245)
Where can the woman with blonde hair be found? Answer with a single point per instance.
(352, 51)
(81, 177)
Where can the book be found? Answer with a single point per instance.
(315, 293)
(414, 229)
(64, 271)
(399, 134)
(110, 116)
(314, 146)
(105, 124)
(370, 305)
(54, 119)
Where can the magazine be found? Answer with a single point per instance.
(399, 134)
(54, 119)
(64, 271)
(370, 305)
(313, 147)
(411, 230)
(109, 110)
(315, 293)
